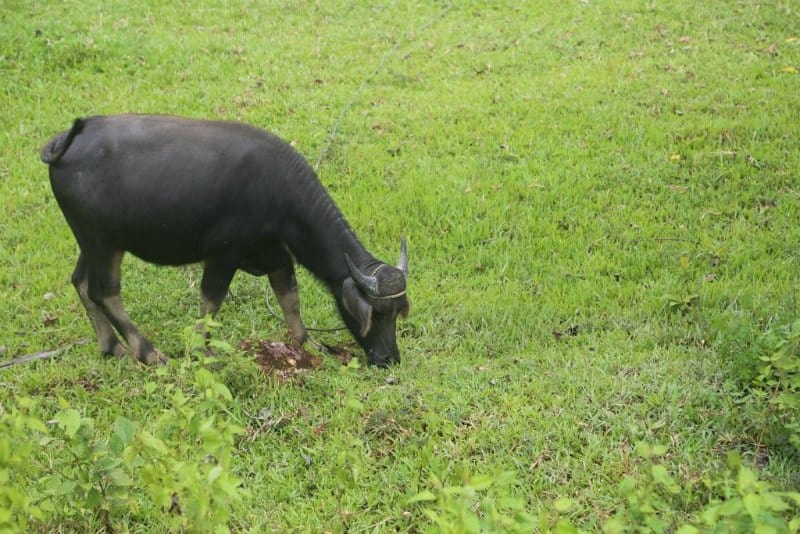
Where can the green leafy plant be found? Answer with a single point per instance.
(18, 429)
(679, 303)
(185, 465)
(91, 480)
(778, 380)
(472, 507)
(647, 497)
(740, 503)
(746, 504)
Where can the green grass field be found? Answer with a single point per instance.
(602, 207)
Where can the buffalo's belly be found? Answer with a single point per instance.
(162, 250)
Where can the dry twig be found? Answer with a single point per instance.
(42, 354)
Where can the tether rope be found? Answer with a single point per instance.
(369, 77)
(346, 109)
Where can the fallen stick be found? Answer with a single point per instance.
(42, 354)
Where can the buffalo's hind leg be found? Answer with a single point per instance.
(104, 291)
(284, 284)
(106, 338)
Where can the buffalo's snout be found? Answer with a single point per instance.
(383, 359)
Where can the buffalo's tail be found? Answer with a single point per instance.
(58, 145)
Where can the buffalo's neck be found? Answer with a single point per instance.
(322, 237)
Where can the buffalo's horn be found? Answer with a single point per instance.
(402, 263)
(365, 282)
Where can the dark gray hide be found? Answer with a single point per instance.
(174, 191)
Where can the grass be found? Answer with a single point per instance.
(599, 198)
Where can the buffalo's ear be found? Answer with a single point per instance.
(357, 306)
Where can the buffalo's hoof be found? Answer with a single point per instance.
(153, 357)
(117, 350)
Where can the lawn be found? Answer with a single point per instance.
(602, 208)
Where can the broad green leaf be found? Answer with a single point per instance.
(221, 347)
(120, 478)
(613, 526)
(36, 425)
(66, 487)
(730, 508)
(214, 473)
(658, 424)
(643, 450)
(203, 378)
(762, 528)
(93, 498)
(752, 503)
(774, 502)
(565, 527)
(150, 441)
(746, 478)
(662, 476)
(687, 529)
(108, 462)
(734, 460)
(627, 485)
(512, 503)
(658, 450)
(563, 505)
(69, 420)
(470, 521)
(229, 485)
(423, 496)
(480, 482)
(505, 478)
(433, 516)
(161, 496)
(222, 391)
(125, 429)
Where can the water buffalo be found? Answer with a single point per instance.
(174, 191)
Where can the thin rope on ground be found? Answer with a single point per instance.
(281, 319)
(345, 111)
(369, 77)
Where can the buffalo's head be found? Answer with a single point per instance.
(372, 299)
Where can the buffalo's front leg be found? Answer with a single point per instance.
(284, 284)
(106, 338)
(217, 276)
(104, 291)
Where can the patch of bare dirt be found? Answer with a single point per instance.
(285, 361)
(343, 354)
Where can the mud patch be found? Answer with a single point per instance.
(284, 361)
(343, 354)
